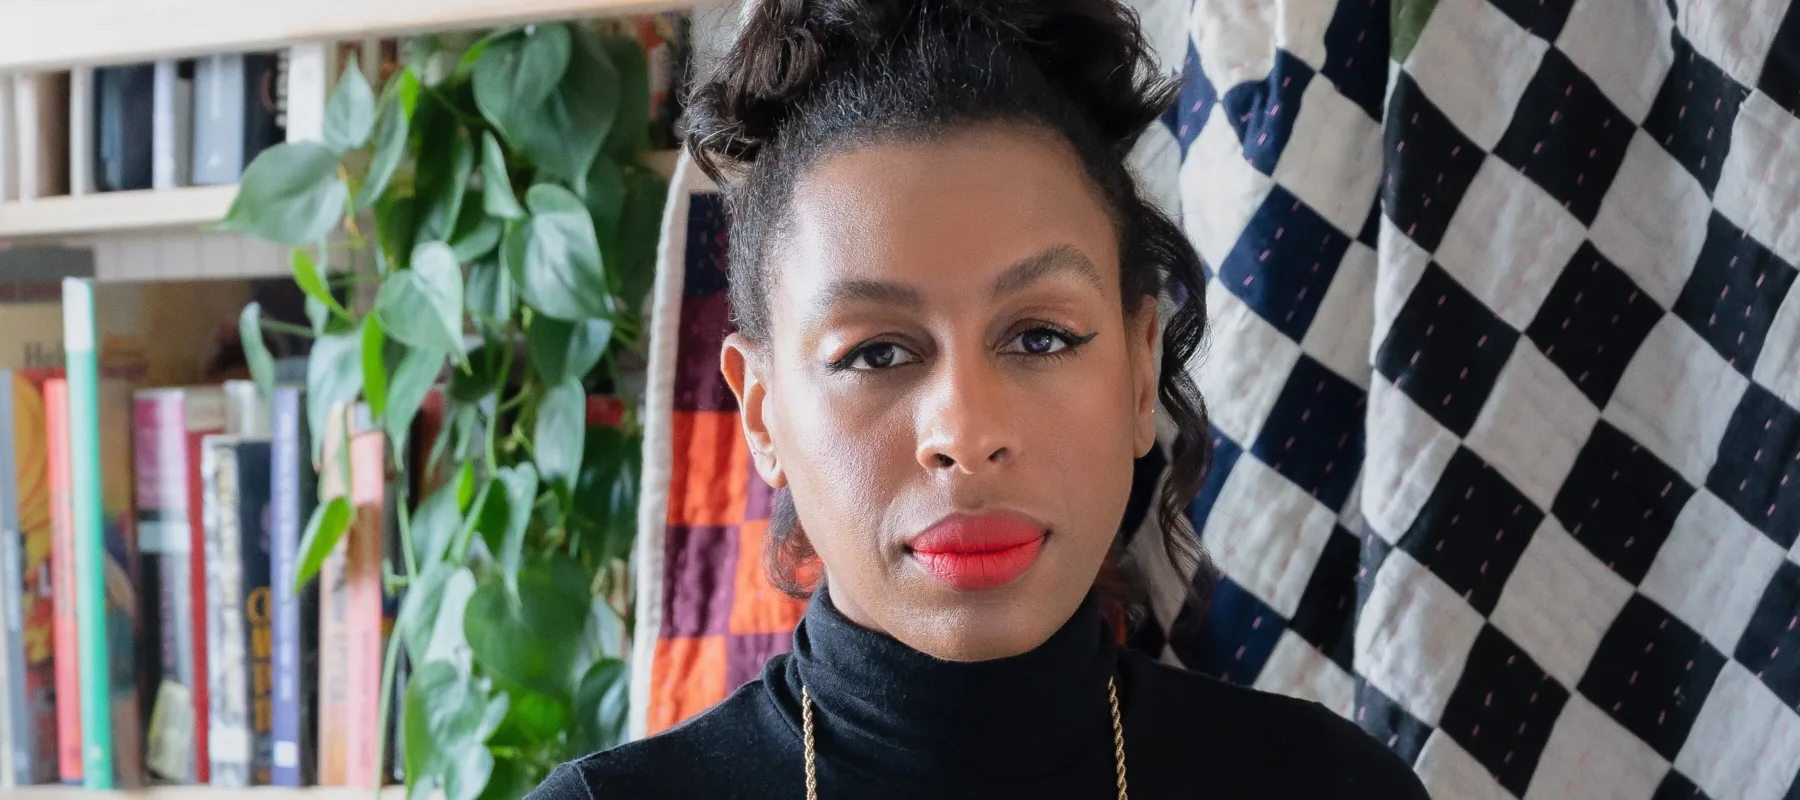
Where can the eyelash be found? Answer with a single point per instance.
(1072, 342)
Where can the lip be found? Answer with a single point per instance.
(969, 552)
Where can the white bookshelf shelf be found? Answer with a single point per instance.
(114, 212)
(200, 792)
(57, 34)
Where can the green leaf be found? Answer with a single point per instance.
(563, 134)
(374, 343)
(640, 227)
(262, 365)
(481, 378)
(422, 306)
(531, 637)
(533, 716)
(441, 716)
(477, 234)
(323, 531)
(631, 130)
(567, 349)
(556, 265)
(496, 186)
(290, 194)
(350, 112)
(435, 524)
(391, 130)
(334, 376)
(424, 594)
(490, 291)
(507, 514)
(602, 700)
(510, 780)
(517, 73)
(495, 713)
(557, 437)
(606, 201)
(397, 226)
(603, 513)
(446, 157)
(312, 281)
(468, 774)
(410, 383)
(318, 314)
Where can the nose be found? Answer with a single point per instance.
(965, 419)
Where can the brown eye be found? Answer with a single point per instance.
(880, 355)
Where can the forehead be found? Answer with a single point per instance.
(945, 215)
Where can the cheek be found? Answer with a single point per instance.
(844, 454)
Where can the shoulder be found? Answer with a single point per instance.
(1271, 739)
(718, 753)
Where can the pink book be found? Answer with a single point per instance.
(350, 652)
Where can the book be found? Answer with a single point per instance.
(350, 601)
(295, 627)
(172, 140)
(237, 114)
(40, 134)
(238, 572)
(105, 550)
(9, 169)
(81, 131)
(246, 410)
(169, 426)
(25, 543)
(62, 570)
(124, 109)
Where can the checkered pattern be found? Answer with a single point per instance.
(714, 614)
(1504, 371)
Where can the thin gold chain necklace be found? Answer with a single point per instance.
(812, 778)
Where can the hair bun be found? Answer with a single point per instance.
(1092, 51)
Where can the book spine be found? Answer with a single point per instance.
(218, 120)
(160, 458)
(91, 610)
(65, 636)
(123, 110)
(32, 492)
(263, 123)
(253, 487)
(362, 574)
(205, 417)
(9, 151)
(81, 131)
(164, 114)
(228, 662)
(291, 494)
(18, 718)
(334, 616)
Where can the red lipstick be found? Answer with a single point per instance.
(976, 553)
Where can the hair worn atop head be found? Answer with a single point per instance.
(808, 79)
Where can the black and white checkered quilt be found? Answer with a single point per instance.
(1504, 371)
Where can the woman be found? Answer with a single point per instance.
(946, 292)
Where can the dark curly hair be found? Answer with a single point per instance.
(811, 78)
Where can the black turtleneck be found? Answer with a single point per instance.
(891, 722)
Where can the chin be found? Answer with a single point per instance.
(990, 624)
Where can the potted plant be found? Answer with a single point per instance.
(496, 223)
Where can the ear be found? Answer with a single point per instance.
(1141, 331)
(746, 372)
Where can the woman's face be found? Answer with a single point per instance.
(951, 387)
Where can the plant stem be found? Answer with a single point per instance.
(278, 326)
(389, 665)
(406, 535)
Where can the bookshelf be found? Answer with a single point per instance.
(206, 793)
(114, 212)
(58, 34)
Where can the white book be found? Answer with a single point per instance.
(172, 135)
(9, 152)
(81, 131)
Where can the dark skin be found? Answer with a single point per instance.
(948, 336)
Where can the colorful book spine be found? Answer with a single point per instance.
(350, 659)
(228, 664)
(62, 570)
(295, 627)
(253, 497)
(206, 416)
(168, 422)
(105, 554)
(91, 607)
(25, 539)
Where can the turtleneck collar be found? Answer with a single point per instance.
(892, 713)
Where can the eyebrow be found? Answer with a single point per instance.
(1057, 259)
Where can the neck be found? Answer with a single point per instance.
(887, 709)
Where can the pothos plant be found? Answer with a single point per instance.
(494, 204)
